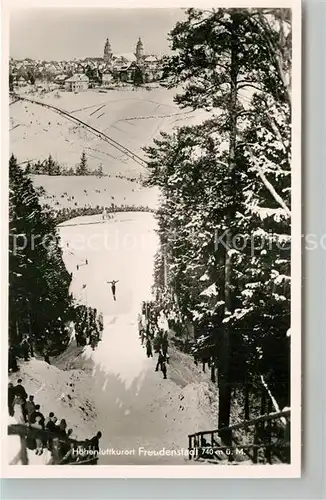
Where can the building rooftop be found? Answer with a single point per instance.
(150, 58)
(129, 56)
(78, 77)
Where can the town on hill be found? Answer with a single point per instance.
(80, 74)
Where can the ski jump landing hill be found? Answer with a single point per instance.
(111, 128)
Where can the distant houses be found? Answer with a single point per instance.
(107, 78)
(79, 75)
(60, 79)
(77, 83)
(126, 65)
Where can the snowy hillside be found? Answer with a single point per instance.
(90, 191)
(130, 117)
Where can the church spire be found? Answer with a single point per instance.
(139, 50)
(107, 52)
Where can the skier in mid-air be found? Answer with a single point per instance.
(113, 283)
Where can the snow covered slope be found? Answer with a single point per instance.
(135, 407)
(131, 117)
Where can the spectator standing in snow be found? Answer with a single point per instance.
(37, 414)
(25, 349)
(51, 427)
(48, 420)
(51, 422)
(157, 343)
(94, 446)
(93, 341)
(19, 410)
(11, 398)
(39, 442)
(20, 390)
(29, 408)
(165, 344)
(160, 360)
(149, 333)
(61, 428)
(61, 431)
(149, 351)
(164, 369)
(95, 442)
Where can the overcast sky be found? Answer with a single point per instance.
(58, 34)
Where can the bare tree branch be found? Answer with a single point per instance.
(243, 84)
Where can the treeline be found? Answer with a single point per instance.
(224, 218)
(40, 306)
(52, 167)
(65, 214)
(41, 309)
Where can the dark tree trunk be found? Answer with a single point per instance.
(224, 372)
(263, 402)
(246, 403)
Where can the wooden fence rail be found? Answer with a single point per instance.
(25, 432)
(207, 444)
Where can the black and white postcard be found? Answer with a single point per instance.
(153, 276)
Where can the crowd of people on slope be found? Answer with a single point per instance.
(22, 406)
(153, 336)
(24, 350)
(88, 326)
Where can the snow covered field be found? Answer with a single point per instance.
(130, 117)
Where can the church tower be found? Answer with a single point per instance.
(139, 50)
(107, 52)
